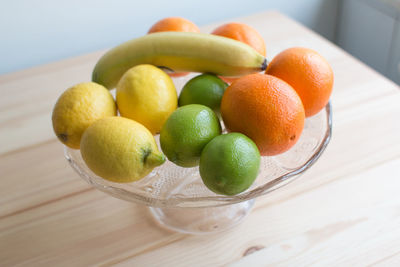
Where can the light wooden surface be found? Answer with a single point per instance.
(344, 211)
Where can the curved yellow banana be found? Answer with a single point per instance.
(179, 51)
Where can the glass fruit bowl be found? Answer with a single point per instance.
(179, 200)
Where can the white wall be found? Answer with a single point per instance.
(370, 30)
(39, 31)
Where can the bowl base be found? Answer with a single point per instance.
(198, 221)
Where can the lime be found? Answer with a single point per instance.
(147, 95)
(205, 89)
(120, 150)
(77, 108)
(229, 163)
(186, 132)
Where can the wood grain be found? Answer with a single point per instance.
(344, 211)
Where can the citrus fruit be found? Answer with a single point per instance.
(174, 24)
(308, 73)
(243, 33)
(205, 89)
(186, 132)
(229, 163)
(77, 108)
(147, 95)
(266, 109)
(120, 150)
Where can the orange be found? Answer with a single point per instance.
(308, 73)
(174, 24)
(266, 109)
(243, 33)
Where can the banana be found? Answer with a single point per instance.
(179, 51)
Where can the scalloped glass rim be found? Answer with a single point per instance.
(123, 191)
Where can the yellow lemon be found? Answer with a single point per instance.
(77, 108)
(147, 95)
(120, 150)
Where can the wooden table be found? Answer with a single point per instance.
(344, 211)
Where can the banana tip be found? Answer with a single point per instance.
(264, 64)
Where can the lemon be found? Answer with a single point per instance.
(120, 150)
(229, 164)
(205, 89)
(147, 95)
(186, 132)
(77, 108)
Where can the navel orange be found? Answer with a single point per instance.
(308, 73)
(174, 24)
(266, 109)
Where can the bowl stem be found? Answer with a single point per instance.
(202, 220)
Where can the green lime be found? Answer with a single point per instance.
(186, 132)
(229, 164)
(205, 89)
